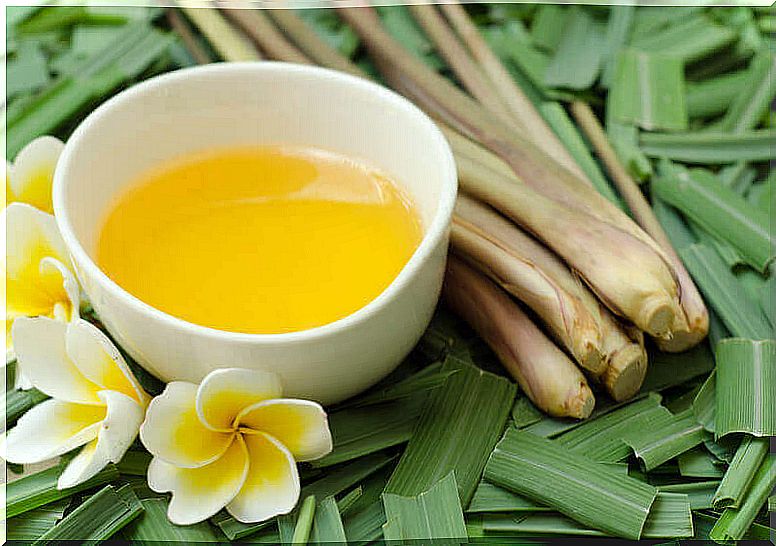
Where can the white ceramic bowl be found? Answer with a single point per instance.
(260, 103)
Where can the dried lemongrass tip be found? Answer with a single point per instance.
(529, 271)
(543, 371)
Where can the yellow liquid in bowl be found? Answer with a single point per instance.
(259, 240)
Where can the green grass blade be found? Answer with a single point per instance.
(572, 484)
(739, 313)
(688, 40)
(577, 59)
(304, 522)
(40, 489)
(713, 96)
(31, 525)
(711, 147)
(699, 494)
(153, 526)
(433, 514)
(458, 429)
(569, 135)
(747, 108)
(99, 518)
(363, 430)
(705, 403)
(735, 522)
(492, 498)
(618, 29)
(699, 463)
(648, 91)
(748, 458)
(327, 525)
(548, 25)
(601, 439)
(720, 211)
(655, 446)
(746, 375)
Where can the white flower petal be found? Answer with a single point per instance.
(51, 428)
(32, 287)
(173, 432)
(300, 425)
(272, 485)
(198, 493)
(33, 171)
(100, 361)
(225, 392)
(42, 358)
(116, 433)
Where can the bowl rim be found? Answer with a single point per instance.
(435, 232)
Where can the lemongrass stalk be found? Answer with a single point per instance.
(229, 43)
(445, 101)
(531, 273)
(697, 317)
(457, 58)
(177, 23)
(308, 41)
(543, 371)
(523, 113)
(620, 270)
(263, 32)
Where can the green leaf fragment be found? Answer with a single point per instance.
(153, 526)
(98, 518)
(657, 445)
(39, 489)
(648, 91)
(713, 96)
(748, 458)
(731, 301)
(699, 494)
(548, 25)
(735, 522)
(18, 402)
(687, 41)
(572, 484)
(699, 463)
(433, 514)
(458, 429)
(602, 439)
(705, 403)
(27, 71)
(625, 141)
(304, 521)
(524, 413)
(400, 24)
(327, 525)
(711, 147)
(31, 525)
(569, 135)
(746, 375)
(577, 59)
(747, 108)
(618, 29)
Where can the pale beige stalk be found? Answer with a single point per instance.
(522, 111)
(229, 43)
(531, 273)
(696, 314)
(543, 371)
(458, 59)
(308, 41)
(261, 29)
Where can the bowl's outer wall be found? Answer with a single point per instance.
(255, 103)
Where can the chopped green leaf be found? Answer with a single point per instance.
(648, 91)
(618, 29)
(304, 521)
(548, 25)
(153, 526)
(699, 463)
(655, 446)
(746, 375)
(699, 494)
(713, 96)
(458, 429)
(432, 514)
(31, 525)
(97, 519)
(327, 525)
(18, 402)
(688, 41)
(572, 484)
(748, 458)
(577, 59)
(711, 147)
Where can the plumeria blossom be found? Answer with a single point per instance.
(231, 442)
(95, 402)
(28, 179)
(39, 280)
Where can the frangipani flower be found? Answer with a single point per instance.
(95, 400)
(28, 179)
(38, 278)
(231, 442)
